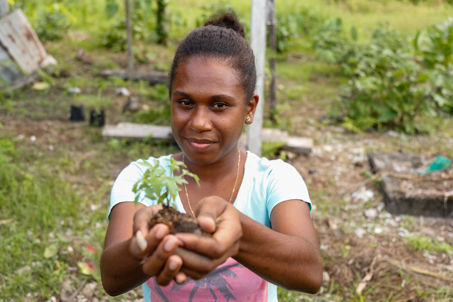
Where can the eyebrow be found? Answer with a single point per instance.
(214, 97)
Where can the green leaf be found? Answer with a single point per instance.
(111, 8)
(51, 251)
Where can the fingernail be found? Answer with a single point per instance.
(180, 279)
(160, 232)
(173, 265)
(169, 245)
(142, 243)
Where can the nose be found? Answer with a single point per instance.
(200, 120)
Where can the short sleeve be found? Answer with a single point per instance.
(122, 188)
(285, 183)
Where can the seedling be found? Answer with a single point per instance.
(156, 185)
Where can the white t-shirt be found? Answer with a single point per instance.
(265, 184)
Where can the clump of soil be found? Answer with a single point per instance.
(178, 222)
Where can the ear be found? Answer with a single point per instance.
(251, 108)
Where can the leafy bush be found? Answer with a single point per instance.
(159, 115)
(436, 45)
(291, 26)
(115, 36)
(386, 86)
(52, 22)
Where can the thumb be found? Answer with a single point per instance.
(208, 210)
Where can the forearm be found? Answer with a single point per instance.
(119, 270)
(288, 261)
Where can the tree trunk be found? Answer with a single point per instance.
(273, 60)
(162, 27)
(130, 55)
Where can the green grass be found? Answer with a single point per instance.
(48, 210)
(418, 243)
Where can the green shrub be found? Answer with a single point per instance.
(115, 36)
(52, 22)
(436, 44)
(387, 87)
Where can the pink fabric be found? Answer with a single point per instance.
(230, 281)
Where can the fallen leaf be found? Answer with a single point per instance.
(40, 86)
(50, 251)
(90, 248)
(86, 268)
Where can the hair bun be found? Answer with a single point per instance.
(227, 19)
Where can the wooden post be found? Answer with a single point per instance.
(273, 60)
(130, 55)
(258, 44)
(4, 8)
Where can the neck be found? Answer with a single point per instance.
(217, 170)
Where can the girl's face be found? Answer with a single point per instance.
(208, 109)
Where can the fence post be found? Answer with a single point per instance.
(258, 44)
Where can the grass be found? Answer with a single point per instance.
(419, 243)
(48, 210)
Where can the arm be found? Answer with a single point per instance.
(286, 255)
(121, 270)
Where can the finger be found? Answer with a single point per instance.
(170, 270)
(208, 209)
(156, 262)
(143, 217)
(181, 278)
(197, 266)
(141, 250)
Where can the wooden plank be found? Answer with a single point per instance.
(21, 41)
(299, 145)
(137, 131)
(153, 77)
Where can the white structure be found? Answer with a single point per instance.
(258, 43)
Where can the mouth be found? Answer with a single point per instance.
(200, 144)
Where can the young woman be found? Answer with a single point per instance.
(264, 237)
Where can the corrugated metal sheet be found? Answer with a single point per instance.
(8, 71)
(21, 41)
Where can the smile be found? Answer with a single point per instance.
(200, 145)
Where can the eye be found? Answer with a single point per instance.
(185, 102)
(220, 105)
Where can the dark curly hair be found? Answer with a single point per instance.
(222, 37)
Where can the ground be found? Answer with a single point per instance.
(63, 172)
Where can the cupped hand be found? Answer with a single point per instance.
(155, 247)
(201, 255)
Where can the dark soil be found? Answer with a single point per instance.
(178, 222)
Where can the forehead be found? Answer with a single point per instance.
(207, 76)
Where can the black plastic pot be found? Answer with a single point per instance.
(77, 114)
(97, 119)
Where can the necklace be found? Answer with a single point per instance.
(232, 193)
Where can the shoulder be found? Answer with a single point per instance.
(269, 168)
